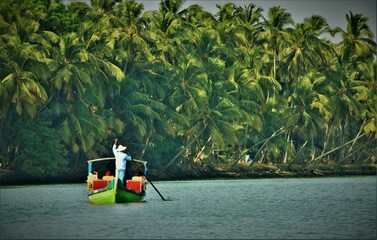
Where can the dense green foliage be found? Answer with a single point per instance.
(182, 86)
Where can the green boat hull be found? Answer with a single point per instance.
(111, 195)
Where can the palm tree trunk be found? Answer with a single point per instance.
(313, 148)
(299, 151)
(341, 151)
(201, 150)
(273, 93)
(333, 150)
(327, 137)
(259, 150)
(286, 147)
(325, 140)
(358, 134)
(368, 158)
(262, 158)
(184, 149)
(145, 145)
(275, 134)
(356, 150)
(245, 143)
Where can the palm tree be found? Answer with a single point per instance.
(81, 82)
(345, 98)
(188, 86)
(249, 15)
(132, 38)
(226, 12)
(22, 91)
(217, 123)
(365, 87)
(274, 27)
(213, 104)
(80, 130)
(23, 78)
(69, 65)
(166, 24)
(187, 94)
(308, 111)
(104, 6)
(196, 17)
(345, 108)
(101, 41)
(24, 16)
(227, 29)
(171, 5)
(245, 87)
(23, 73)
(303, 50)
(357, 43)
(247, 34)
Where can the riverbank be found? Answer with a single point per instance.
(239, 171)
(242, 171)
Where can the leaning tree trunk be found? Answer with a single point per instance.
(201, 150)
(333, 150)
(358, 134)
(145, 145)
(298, 153)
(275, 134)
(184, 149)
(356, 150)
(259, 150)
(287, 146)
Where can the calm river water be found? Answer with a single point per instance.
(299, 208)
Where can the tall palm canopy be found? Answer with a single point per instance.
(182, 87)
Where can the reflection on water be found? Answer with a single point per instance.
(309, 208)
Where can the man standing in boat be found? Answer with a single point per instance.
(121, 159)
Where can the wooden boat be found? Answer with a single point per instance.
(109, 190)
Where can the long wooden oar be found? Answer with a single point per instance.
(150, 181)
(155, 188)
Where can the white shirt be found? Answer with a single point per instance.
(120, 158)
